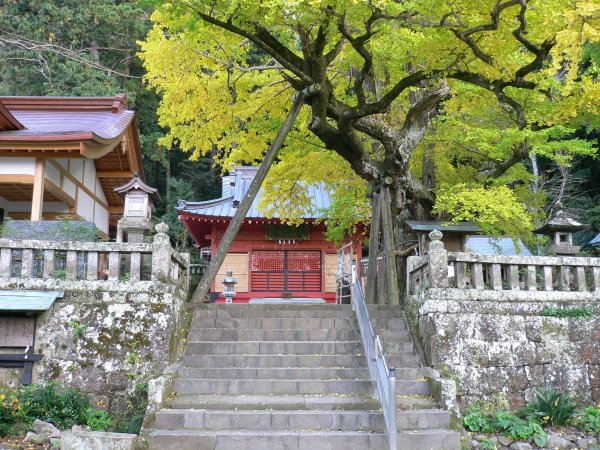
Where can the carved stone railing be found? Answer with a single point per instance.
(442, 269)
(95, 261)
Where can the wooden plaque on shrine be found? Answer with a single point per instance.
(16, 331)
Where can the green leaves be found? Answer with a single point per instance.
(553, 407)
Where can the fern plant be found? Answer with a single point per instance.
(552, 407)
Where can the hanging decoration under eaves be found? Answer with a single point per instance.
(280, 231)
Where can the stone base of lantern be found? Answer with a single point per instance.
(134, 230)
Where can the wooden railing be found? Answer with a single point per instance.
(92, 261)
(441, 269)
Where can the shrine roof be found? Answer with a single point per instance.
(488, 245)
(235, 187)
(64, 118)
(443, 226)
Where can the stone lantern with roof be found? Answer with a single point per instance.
(560, 228)
(135, 225)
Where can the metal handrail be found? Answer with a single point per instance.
(383, 376)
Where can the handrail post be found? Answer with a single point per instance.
(393, 426)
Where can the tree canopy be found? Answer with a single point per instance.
(477, 87)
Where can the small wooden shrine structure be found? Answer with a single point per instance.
(268, 258)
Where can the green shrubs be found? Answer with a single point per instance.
(588, 420)
(547, 408)
(63, 407)
(520, 429)
(511, 425)
(551, 406)
(578, 312)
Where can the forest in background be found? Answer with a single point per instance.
(90, 48)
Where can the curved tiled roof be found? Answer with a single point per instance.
(52, 118)
(241, 179)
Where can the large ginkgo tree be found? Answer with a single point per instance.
(474, 88)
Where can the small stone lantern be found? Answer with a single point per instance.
(135, 225)
(229, 287)
(560, 228)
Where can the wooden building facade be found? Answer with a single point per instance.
(64, 156)
(268, 258)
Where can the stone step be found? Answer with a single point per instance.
(394, 347)
(348, 323)
(277, 306)
(422, 419)
(291, 387)
(259, 440)
(415, 402)
(270, 420)
(262, 312)
(298, 373)
(275, 402)
(297, 420)
(282, 361)
(317, 311)
(438, 439)
(402, 360)
(330, 323)
(277, 373)
(257, 334)
(389, 323)
(274, 348)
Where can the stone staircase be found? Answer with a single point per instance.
(293, 377)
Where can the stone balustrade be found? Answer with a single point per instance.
(459, 270)
(95, 261)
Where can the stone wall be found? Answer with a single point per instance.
(490, 322)
(104, 336)
(491, 342)
(105, 340)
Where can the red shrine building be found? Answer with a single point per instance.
(268, 258)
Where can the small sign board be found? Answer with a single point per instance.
(280, 231)
(16, 331)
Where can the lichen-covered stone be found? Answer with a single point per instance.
(106, 337)
(499, 341)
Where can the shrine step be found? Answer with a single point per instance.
(291, 387)
(298, 373)
(275, 402)
(297, 420)
(273, 348)
(438, 439)
(281, 361)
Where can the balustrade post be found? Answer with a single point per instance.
(477, 276)
(186, 272)
(437, 260)
(5, 262)
(565, 278)
(92, 266)
(114, 266)
(161, 254)
(27, 263)
(48, 264)
(513, 277)
(531, 278)
(496, 277)
(596, 278)
(548, 278)
(580, 281)
(71, 265)
(135, 266)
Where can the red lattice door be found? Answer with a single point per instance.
(291, 271)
